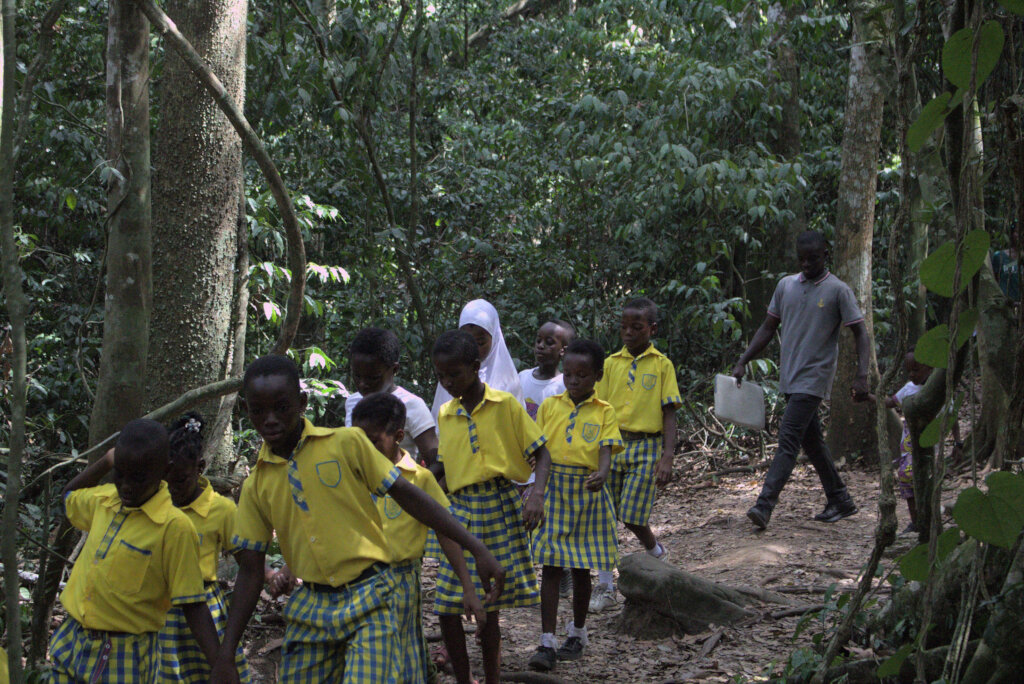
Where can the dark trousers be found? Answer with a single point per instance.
(801, 428)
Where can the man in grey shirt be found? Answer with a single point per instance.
(811, 306)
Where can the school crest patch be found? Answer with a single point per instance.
(329, 473)
(649, 381)
(591, 431)
(391, 508)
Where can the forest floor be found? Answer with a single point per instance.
(702, 523)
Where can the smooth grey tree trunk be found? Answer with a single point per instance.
(196, 208)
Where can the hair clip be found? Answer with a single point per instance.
(193, 425)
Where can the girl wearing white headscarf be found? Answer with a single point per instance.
(480, 319)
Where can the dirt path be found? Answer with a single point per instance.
(707, 533)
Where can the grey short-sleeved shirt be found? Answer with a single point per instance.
(810, 315)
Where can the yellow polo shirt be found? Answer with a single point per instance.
(135, 564)
(323, 511)
(577, 439)
(213, 516)
(405, 534)
(638, 406)
(494, 441)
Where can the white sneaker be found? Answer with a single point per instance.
(603, 598)
(664, 552)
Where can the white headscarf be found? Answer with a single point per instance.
(497, 370)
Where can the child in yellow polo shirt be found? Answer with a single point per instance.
(485, 437)
(382, 417)
(640, 384)
(140, 558)
(578, 531)
(213, 516)
(313, 486)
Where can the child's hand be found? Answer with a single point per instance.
(224, 671)
(738, 371)
(663, 471)
(474, 608)
(281, 582)
(492, 576)
(596, 480)
(533, 511)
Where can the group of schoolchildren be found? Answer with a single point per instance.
(507, 470)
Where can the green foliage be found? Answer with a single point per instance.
(932, 348)
(938, 269)
(1015, 6)
(914, 564)
(958, 64)
(932, 116)
(997, 516)
(891, 666)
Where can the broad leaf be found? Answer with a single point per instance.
(931, 117)
(891, 667)
(914, 563)
(938, 269)
(930, 436)
(932, 348)
(956, 54)
(995, 517)
(1015, 6)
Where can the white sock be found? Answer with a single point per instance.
(575, 631)
(605, 577)
(658, 551)
(548, 639)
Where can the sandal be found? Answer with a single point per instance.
(439, 656)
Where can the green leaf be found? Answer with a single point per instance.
(891, 667)
(932, 348)
(995, 517)
(71, 201)
(930, 118)
(1015, 6)
(914, 564)
(938, 269)
(957, 54)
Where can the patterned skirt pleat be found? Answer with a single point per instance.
(579, 525)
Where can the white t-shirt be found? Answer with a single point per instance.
(417, 417)
(536, 391)
(908, 390)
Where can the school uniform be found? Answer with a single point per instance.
(181, 659)
(407, 537)
(638, 388)
(579, 525)
(339, 625)
(482, 453)
(136, 563)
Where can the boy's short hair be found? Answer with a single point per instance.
(590, 349)
(811, 238)
(142, 438)
(565, 325)
(186, 436)
(457, 344)
(272, 364)
(646, 305)
(380, 409)
(376, 342)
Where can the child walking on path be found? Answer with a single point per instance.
(486, 438)
(313, 486)
(213, 516)
(810, 307)
(640, 384)
(545, 380)
(381, 416)
(373, 358)
(140, 558)
(578, 531)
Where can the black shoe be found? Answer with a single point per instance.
(835, 512)
(572, 649)
(543, 658)
(759, 516)
(910, 529)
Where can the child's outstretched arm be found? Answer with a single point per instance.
(243, 603)
(419, 505)
(199, 620)
(663, 469)
(533, 511)
(426, 443)
(757, 344)
(470, 601)
(92, 475)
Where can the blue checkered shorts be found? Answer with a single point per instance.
(492, 512)
(631, 480)
(579, 525)
(346, 635)
(88, 656)
(181, 659)
(412, 665)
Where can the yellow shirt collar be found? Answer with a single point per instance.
(156, 507)
(406, 463)
(453, 406)
(308, 430)
(202, 503)
(564, 396)
(650, 351)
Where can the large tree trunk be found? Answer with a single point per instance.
(852, 428)
(198, 180)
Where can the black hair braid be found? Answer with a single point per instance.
(187, 436)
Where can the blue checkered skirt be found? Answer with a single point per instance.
(181, 659)
(631, 480)
(411, 661)
(492, 512)
(579, 525)
(346, 636)
(87, 656)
